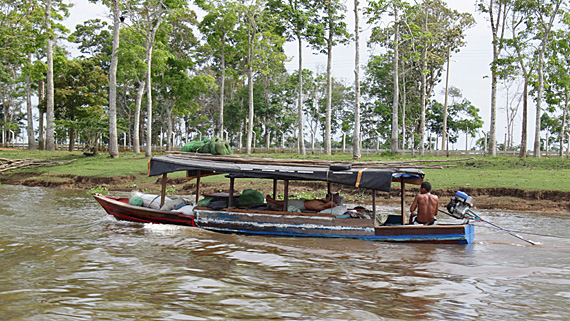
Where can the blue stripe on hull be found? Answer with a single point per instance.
(443, 238)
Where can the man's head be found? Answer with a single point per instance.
(426, 186)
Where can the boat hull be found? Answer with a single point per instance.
(273, 223)
(122, 210)
(270, 224)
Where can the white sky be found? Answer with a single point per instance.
(469, 69)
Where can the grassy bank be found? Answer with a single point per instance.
(549, 174)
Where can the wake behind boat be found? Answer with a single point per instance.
(226, 214)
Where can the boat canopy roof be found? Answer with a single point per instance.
(371, 178)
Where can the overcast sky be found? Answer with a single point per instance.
(469, 69)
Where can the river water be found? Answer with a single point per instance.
(63, 258)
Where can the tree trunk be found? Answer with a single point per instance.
(539, 103)
(327, 136)
(71, 146)
(169, 128)
(444, 129)
(41, 132)
(493, 125)
(222, 87)
(250, 92)
(50, 118)
(404, 100)
(356, 154)
(30, 124)
(5, 111)
(423, 106)
(563, 126)
(137, 121)
(395, 103)
(149, 47)
(522, 153)
(301, 137)
(113, 140)
(148, 147)
(424, 90)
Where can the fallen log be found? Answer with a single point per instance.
(16, 164)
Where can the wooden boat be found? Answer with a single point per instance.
(271, 222)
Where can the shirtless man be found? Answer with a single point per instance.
(302, 204)
(426, 205)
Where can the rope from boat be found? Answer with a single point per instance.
(471, 215)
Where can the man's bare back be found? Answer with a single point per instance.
(425, 205)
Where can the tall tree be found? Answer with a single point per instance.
(21, 25)
(332, 20)
(178, 85)
(356, 132)
(498, 13)
(217, 27)
(52, 14)
(517, 59)
(146, 18)
(376, 11)
(295, 16)
(557, 90)
(50, 119)
(113, 140)
(133, 51)
(544, 14)
(263, 49)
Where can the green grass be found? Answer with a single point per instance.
(480, 172)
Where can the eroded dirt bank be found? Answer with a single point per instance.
(484, 198)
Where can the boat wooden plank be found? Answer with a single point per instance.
(256, 211)
(276, 217)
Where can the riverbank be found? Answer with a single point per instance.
(531, 185)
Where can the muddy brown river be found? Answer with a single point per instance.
(63, 258)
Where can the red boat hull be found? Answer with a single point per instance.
(122, 210)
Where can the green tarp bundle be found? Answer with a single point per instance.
(214, 146)
(250, 196)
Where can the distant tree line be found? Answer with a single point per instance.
(156, 70)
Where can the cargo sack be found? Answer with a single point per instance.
(173, 204)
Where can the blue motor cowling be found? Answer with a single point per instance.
(459, 205)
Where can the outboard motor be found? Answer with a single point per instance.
(459, 205)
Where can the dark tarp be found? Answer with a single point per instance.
(371, 178)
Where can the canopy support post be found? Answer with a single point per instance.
(374, 206)
(286, 195)
(231, 198)
(403, 199)
(274, 189)
(329, 190)
(198, 185)
(163, 191)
